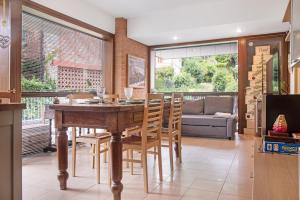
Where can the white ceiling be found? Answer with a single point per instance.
(155, 22)
(83, 11)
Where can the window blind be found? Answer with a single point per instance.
(56, 57)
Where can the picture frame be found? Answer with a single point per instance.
(136, 72)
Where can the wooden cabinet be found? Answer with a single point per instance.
(276, 176)
(10, 151)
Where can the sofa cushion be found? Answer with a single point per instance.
(193, 107)
(203, 120)
(213, 104)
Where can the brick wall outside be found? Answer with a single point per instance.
(125, 46)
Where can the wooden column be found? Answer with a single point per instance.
(242, 83)
(125, 46)
(109, 66)
(16, 47)
(14, 31)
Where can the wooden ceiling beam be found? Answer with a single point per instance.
(287, 14)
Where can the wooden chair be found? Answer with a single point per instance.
(173, 132)
(111, 98)
(108, 98)
(94, 139)
(82, 95)
(148, 136)
(77, 96)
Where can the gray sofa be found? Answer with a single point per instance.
(213, 116)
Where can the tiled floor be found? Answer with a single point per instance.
(212, 169)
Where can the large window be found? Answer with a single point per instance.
(56, 57)
(206, 68)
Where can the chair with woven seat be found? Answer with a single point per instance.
(96, 140)
(107, 98)
(148, 136)
(110, 98)
(173, 132)
(80, 96)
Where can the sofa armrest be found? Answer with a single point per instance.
(231, 125)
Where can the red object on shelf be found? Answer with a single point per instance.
(280, 124)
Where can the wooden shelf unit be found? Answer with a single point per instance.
(276, 176)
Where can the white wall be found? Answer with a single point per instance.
(82, 11)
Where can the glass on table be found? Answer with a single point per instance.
(128, 93)
(100, 93)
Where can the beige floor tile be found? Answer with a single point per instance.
(131, 194)
(185, 181)
(211, 168)
(241, 190)
(233, 197)
(196, 194)
(212, 175)
(167, 189)
(162, 197)
(33, 193)
(202, 184)
(94, 193)
(240, 178)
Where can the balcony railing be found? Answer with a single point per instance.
(35, 104)
(34, 109)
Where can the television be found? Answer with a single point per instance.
(288, 105)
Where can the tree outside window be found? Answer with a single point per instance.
(216, 73)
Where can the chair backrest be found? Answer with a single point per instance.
(153, 114)
(175, 111)
(81, 95)
(110, 97)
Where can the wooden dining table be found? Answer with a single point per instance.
(113, 117)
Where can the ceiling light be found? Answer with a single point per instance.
(238, 30)
(175, 38)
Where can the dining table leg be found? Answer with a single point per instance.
(62, 156)
(116, 165)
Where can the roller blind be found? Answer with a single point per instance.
(198, 51)
(56, 57)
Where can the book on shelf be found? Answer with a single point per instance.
(281, 144)
(281, 147)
